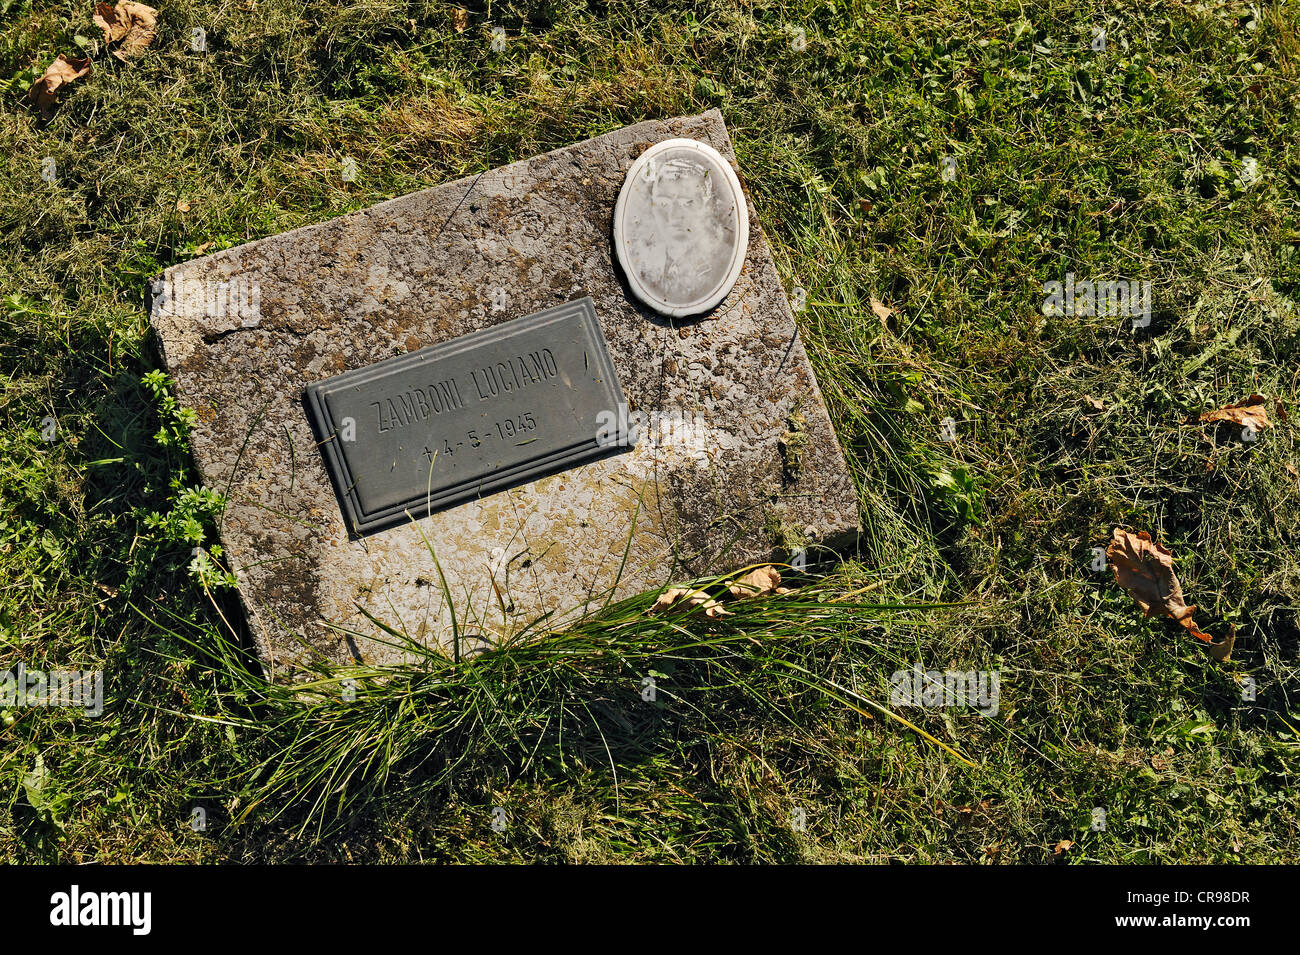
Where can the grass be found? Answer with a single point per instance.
(762, 742)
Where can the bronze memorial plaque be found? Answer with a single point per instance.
(412, 435)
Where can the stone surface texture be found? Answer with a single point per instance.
(739, 460)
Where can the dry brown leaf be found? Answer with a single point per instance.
(1221, 650)
(760, 580)
(199, 250)
(882, 310)
(692, 598)
(57, 75)
(1096, 403)
(182, 205)
(1249, 412)
(133, 23)
(144, 27)
(1146, 571)
(1065, 845)
(459, 19)
(107, 19)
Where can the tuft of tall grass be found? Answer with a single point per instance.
(608, 688)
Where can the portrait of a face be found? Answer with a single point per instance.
(681, 228)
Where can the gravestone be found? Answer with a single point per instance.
(454, 404)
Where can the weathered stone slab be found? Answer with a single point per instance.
(736, 455)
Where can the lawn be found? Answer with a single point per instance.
(922, 171)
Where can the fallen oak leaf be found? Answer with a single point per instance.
(56, 76)
(882, 310)
(1146, 571)
(692, 598)
(132, 23)
(1249, 413)
(760, 580)
(1062, 847)
(144, 27)
(107, 19)
(1221, 650)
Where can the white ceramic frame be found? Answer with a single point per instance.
(732, 182)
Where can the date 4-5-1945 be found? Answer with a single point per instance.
(504, 430)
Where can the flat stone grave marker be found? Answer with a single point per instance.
(452, 407)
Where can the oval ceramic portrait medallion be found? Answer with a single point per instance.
(681, 227)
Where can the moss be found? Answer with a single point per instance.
(793, 443)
